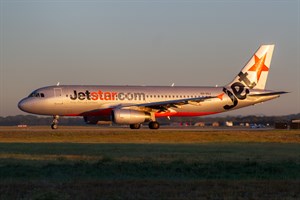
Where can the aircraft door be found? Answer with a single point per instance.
(58, 96)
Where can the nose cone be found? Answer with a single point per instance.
(24, 105)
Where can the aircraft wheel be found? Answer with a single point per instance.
(54, 126)
(154, 125)
(135, 126)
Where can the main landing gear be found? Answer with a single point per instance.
(54, 124)
(135, 126)
(152, 125)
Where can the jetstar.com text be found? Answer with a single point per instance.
(107, 96)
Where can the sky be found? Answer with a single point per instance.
(189, 43)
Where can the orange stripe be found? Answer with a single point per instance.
(183, 114)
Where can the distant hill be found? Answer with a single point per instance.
(71, 121)
(36, 120)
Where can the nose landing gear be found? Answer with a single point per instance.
(54, 124)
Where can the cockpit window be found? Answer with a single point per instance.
(36, 94)
(32, 94)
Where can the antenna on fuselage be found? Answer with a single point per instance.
(172, 84)
(57, 84)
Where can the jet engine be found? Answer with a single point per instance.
(127, 116)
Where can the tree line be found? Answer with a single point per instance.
(34, 120)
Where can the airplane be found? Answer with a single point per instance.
(135, 105)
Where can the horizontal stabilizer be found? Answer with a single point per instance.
(267, 94)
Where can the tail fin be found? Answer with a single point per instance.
(255, 72)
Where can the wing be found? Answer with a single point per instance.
(162, 106)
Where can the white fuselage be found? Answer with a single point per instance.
(90, 100)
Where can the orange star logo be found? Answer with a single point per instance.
(220, 96)
(259, 66)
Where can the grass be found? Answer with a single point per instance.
(149, 161)
(38, 163)
(151, 190)
(121, 135)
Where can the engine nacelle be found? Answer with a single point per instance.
(127, 116)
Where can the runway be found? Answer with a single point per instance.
(94, 134)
